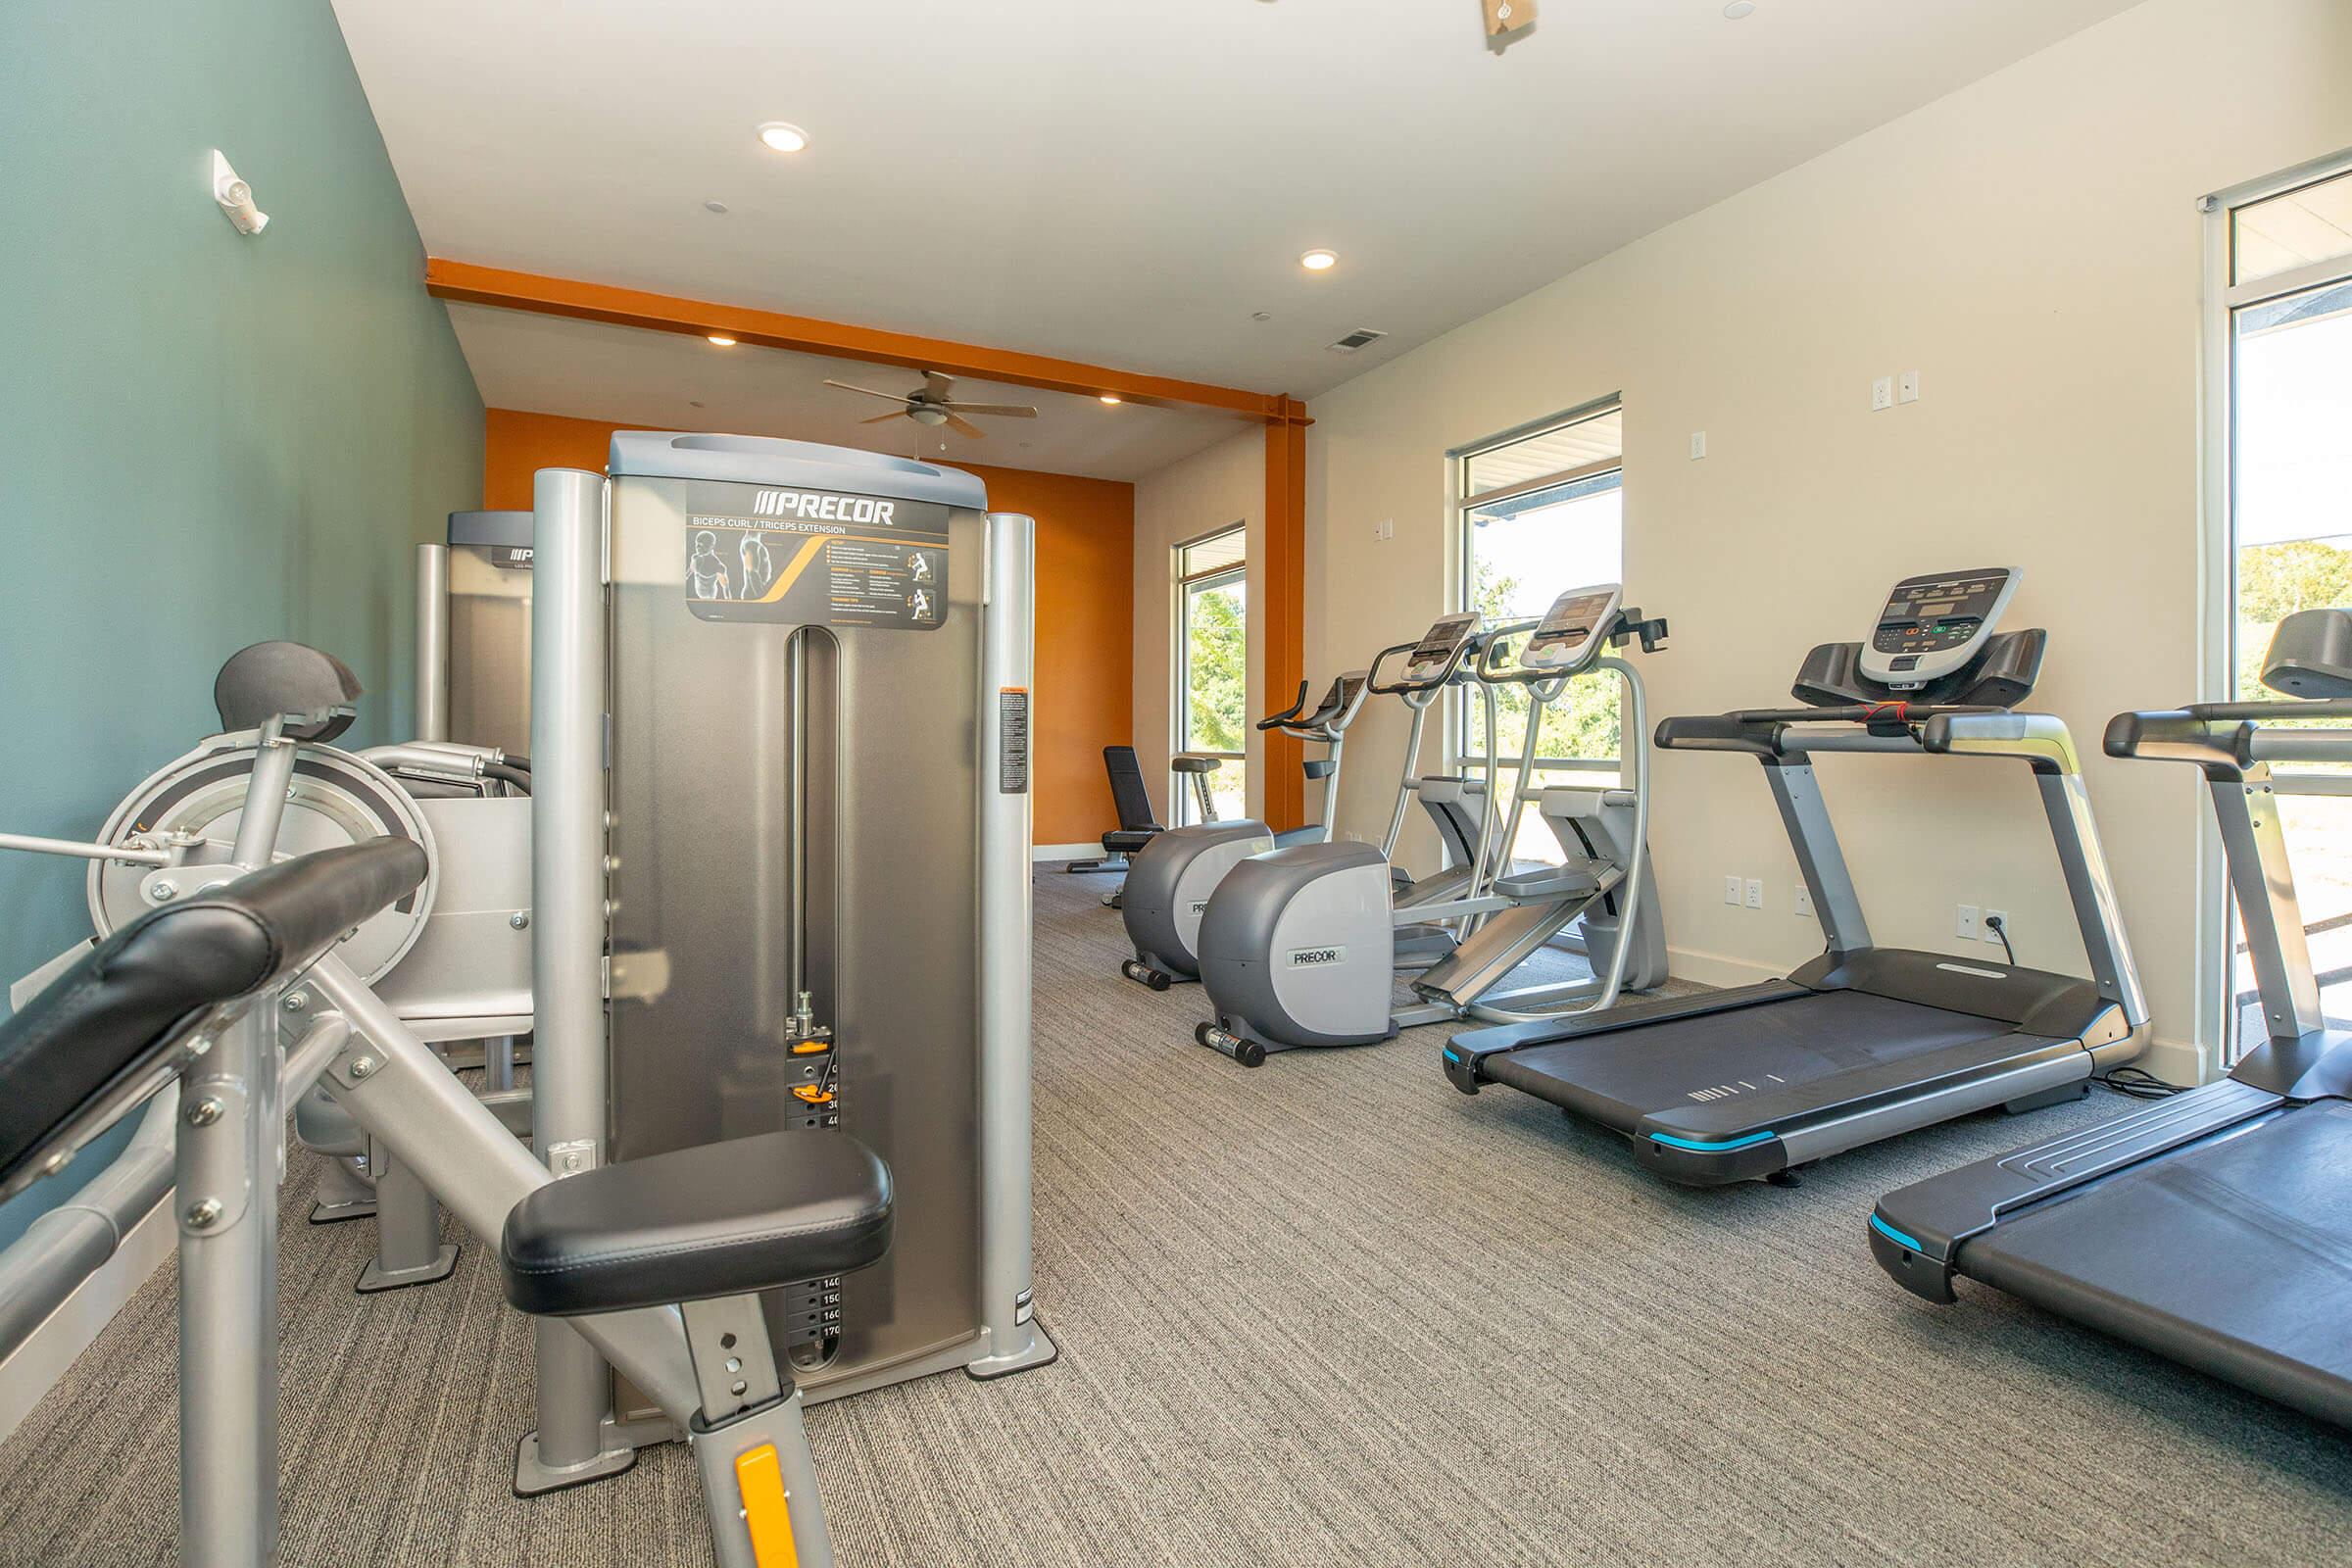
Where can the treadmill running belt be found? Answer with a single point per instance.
(1757, 1055)
(2233, 1256)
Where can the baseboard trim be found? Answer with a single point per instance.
(1067, 851)
(49, 1352)
(1716, 969)
(2176, 1061)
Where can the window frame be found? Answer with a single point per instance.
(1183, 586)
(1459, 730)
(2223, 299)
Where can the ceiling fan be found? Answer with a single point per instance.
(930, 405)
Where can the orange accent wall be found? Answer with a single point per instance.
(516, 446)
(1085, 697)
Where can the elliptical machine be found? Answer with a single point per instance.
(1174, 874)
(1301, 948)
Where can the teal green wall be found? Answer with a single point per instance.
(205, 440)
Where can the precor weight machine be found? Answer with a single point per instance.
(756, 962)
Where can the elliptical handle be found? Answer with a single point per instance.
(1277, 720)
(1472, 646)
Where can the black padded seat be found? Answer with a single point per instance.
(1128, 841)
(94, 1034)
(721, 1220)
(1194, 764)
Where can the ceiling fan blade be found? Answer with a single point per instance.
(963, 426)
(884, 419)
(1010, 410)
(935, 385)
(895, 397)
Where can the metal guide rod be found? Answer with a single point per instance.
(432, 642)
(1006, 666)
(567, 921)
(795, 845)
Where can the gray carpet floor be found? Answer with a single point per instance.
(1326, 1313)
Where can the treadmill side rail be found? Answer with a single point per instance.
(1464, 1056)
(1918, 1233)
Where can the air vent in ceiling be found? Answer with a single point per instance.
(1356, 340)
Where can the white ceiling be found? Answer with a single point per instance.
(1126, 181)
(548, 365)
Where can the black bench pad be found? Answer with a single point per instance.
(743, 1214)
(96, 1029)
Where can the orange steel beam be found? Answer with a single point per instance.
(663, 312)
(1283, 641)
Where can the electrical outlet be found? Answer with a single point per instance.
(1990, 935)
(1966, 926)
(1882, 394)
(1802, 903)
(1755, 893)
(1386, 529)
(1906, 390)
(1699, 445)
(1730, 890)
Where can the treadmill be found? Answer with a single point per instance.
(2212, 1226)
(1864, 1042)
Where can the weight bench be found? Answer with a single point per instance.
(1132, 799)
(192, 991)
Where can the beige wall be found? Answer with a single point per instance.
(2031, 246)
(1207, 491)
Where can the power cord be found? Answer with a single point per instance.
(1992, 923)
(2139, 1083)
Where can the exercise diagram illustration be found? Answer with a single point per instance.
(705, 573)
(758, 567)
(832, 574)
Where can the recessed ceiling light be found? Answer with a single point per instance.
(1261, 316)
(1738, 8)
(1108, 397)
(1319, 260)
(694, 403)
(723, 340)
(720, 208)
(783, 138)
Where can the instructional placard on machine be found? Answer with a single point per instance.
(841, 560)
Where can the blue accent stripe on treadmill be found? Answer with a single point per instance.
(1699, 1145)
(1449, 1056)
(1895, 1235)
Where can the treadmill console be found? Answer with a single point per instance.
(1932, 626)
(1578, 619)
(1441, 646)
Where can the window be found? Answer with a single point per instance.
(2280, 417)
(1212, 668)
(1540, 511)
